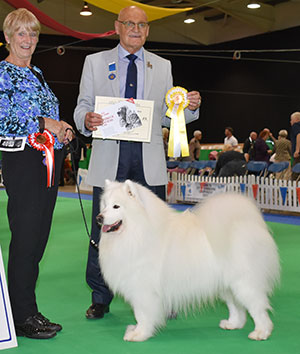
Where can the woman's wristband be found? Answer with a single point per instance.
(41, 124)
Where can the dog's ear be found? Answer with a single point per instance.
(130, 188)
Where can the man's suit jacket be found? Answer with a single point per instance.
(105, 153)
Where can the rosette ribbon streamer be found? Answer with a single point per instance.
(176, 100)
(45, 142)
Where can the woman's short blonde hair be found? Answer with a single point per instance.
(283, 133)
(227, 147)
(20, 18)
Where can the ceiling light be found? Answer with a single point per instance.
(189, 20)
(85, 10)
(253, 5)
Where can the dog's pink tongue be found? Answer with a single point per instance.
(105, 228)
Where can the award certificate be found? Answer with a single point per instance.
(124, 119)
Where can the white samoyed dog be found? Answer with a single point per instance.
(161, 261)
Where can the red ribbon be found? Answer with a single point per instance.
(44, 142)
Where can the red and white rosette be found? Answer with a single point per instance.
(45, 142)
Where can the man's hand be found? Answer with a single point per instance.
(92, 121)
(195, 100)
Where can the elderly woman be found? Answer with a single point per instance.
(283, 152)
(194, 145)
(283, 147)
(31, 140)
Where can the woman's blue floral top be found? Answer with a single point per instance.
(22, 99)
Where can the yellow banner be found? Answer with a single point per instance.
(153, 12)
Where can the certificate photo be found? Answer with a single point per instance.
(124, 119)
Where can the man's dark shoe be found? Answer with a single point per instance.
(34, 328)
(53, 326)
(96, 311)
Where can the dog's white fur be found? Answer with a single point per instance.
(160, 260)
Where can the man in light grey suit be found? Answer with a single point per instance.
(104, 74)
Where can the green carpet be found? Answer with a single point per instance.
(63, 296)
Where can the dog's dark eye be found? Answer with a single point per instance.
(116, 206)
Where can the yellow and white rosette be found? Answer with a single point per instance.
(176, 100)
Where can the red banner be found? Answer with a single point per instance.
(254, 190)
(170, 187)
(298, 194)
(49, 22)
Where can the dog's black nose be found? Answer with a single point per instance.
(99, 220)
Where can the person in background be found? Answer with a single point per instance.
(248, 148)
(213, 155)
(282, 152)
(229, 138)
(262, 152)
(283, 147)
(105, 74)
(295, 140)
(194, 145)
(230, 162)
(29, 120)
(270, 141)
(79, 152)
(165, 135)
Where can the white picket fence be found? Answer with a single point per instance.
(269, 193)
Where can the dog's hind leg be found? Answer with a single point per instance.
(257, 304)
(149, 316)
(263, 325)
(237, 313)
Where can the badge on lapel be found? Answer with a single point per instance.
(112, 71)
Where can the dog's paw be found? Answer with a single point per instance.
(259, 334)
(230, 324)
(135, 334)
(226, 324)
(129, 329)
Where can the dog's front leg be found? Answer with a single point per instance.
(149, 316)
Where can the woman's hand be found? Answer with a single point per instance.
(60, 129)
(68, 132)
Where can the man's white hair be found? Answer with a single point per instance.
(295, 116)
(197, 132)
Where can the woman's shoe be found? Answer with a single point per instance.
(33, 327)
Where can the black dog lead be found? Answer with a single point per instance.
(72, 150)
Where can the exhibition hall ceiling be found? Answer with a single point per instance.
(216, 21)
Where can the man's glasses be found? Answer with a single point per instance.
(131, 25)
